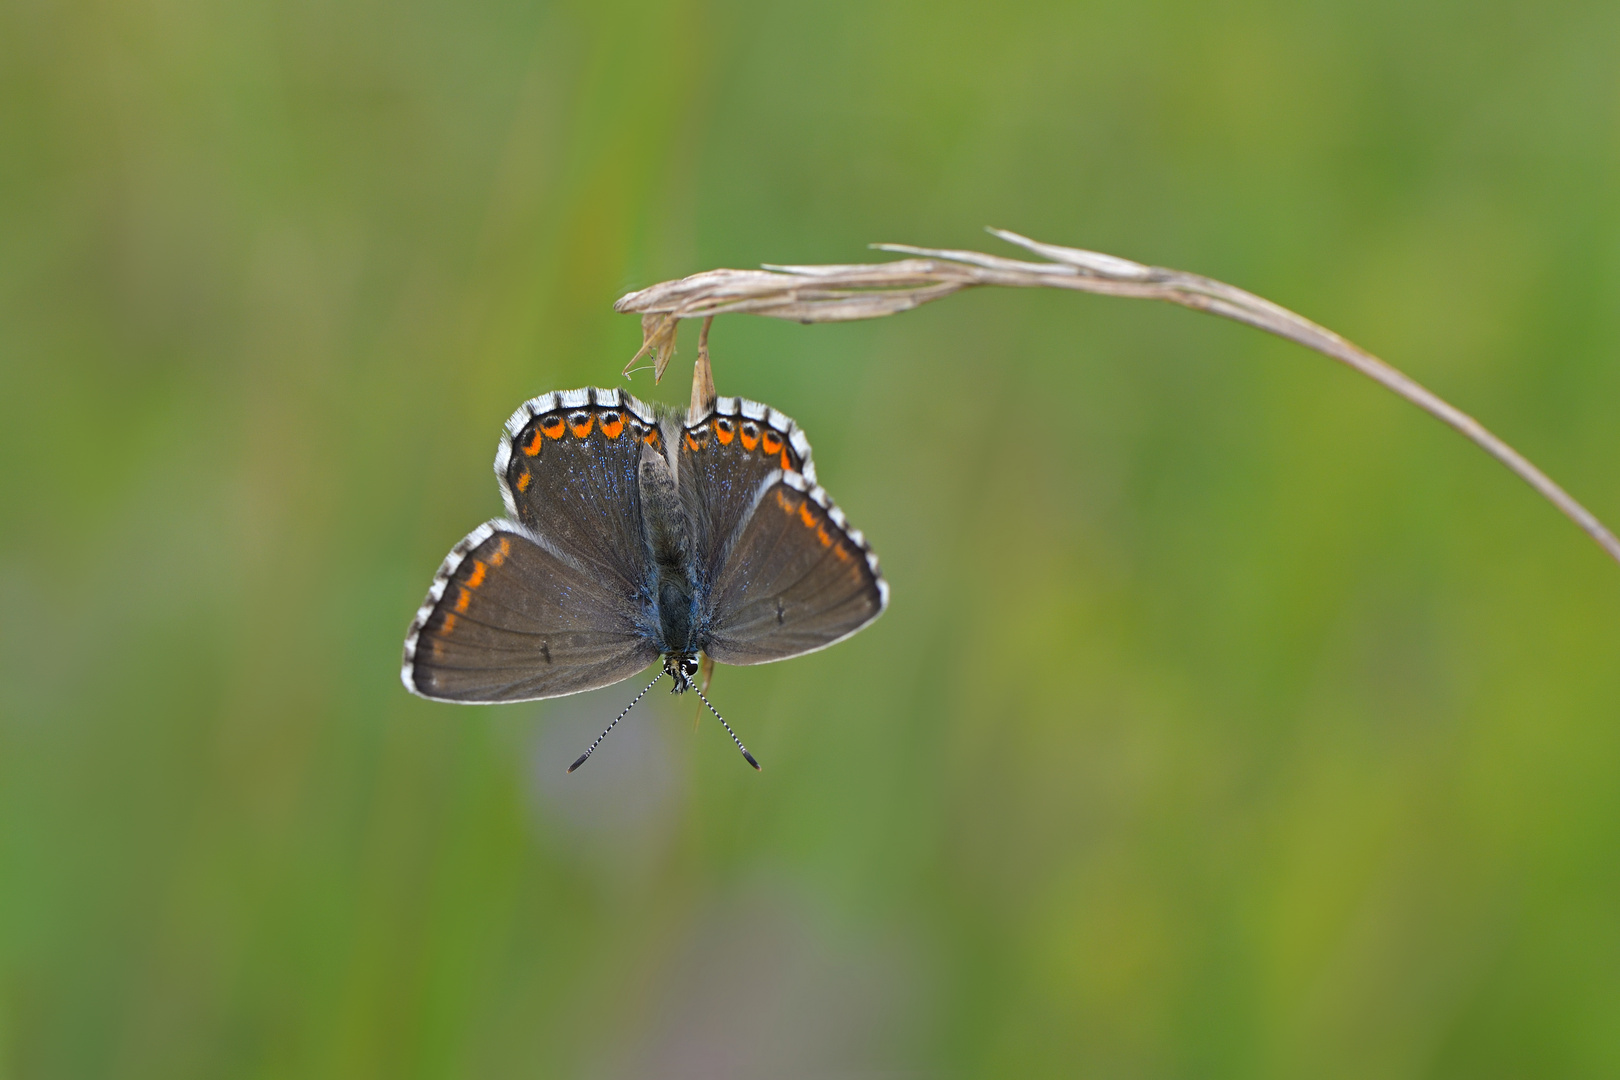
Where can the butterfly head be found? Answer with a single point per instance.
(683, 668)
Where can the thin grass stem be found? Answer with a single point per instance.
(841, 293)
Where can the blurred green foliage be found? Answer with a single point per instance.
(1231, 718)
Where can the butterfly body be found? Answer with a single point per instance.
(669, 549)
(633, 533)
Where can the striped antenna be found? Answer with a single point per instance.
(621, 716)
(746, 755)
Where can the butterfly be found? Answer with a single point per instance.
(635, 532)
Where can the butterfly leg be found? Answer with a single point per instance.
(706, 668)
(703, 394)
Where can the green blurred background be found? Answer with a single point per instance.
(1231, 717)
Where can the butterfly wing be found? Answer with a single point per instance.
(513, 617)
(557, 600)
(567, 470)
(782, 572)
(722, 460)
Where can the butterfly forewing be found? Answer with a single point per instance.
(568, 471)
(513, 617)
(724, 457)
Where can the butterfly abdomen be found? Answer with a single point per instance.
(677, 617)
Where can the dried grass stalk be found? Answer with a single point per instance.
(816, 294)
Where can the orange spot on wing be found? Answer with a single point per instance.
(552, 426)
(691, 442)
(821, 534)
(449, 624)
(532, 447)
(463, 600)
(523, 481)
(476, 578)
(723, 432)
(771, 441)
(785, 503)
(582, 429)
(748, 441)
(651, 438)
(500, 556)
(787, 462)
(843, 553)
(806, 516)
(612, 424)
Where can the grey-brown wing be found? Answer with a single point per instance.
(722, 460)
(567, 468)
(513, 617)
(795, 578)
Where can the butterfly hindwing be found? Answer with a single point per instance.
(795, 579)
(511, 616)
(567, 468)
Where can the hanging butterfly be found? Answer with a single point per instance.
(635, 532)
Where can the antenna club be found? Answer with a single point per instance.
(746, 755)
